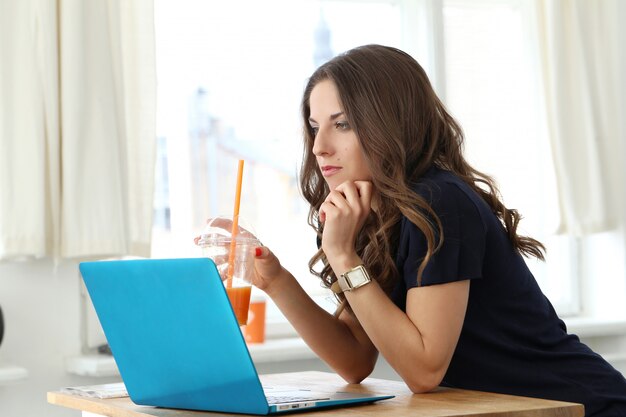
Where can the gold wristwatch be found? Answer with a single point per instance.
(351, 280)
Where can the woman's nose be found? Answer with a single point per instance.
(321, 144)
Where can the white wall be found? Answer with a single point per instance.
(40, 305)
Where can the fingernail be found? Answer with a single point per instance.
(258, 252)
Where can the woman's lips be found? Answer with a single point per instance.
(329, 170)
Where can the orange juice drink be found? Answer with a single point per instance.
(240, 301)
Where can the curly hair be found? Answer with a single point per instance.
(403, 129)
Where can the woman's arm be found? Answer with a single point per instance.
(340, 342)
(418, 344)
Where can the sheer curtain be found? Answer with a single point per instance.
(77, 128)
(581, 44)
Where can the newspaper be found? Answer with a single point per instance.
(115, 390)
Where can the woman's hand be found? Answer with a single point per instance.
(268, 271)
(267, 267)
(226, 225)
(343, 213)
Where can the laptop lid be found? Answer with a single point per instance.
(173, 334)
(175, 338)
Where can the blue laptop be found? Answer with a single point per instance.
(177, 343)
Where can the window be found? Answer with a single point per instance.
(230, 79)
(493, 91)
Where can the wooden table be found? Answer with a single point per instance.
(444, 402)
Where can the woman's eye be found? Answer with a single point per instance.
(342, 125)
(314, 130)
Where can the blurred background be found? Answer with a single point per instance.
(121, 124)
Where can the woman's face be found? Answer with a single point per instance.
(336, 147)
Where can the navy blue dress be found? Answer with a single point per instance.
(512, 340)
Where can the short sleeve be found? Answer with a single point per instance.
(464, 238)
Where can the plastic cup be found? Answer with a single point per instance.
(238, 287)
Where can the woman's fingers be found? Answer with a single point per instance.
(364, 189)
(332, 207)
(221, 222)
(334, 202)
(266, 267)
(350, 197)
(350, 192)
(226, 224)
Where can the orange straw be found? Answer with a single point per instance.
(233, 233)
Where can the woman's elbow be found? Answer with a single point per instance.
(423, 383)
(355, 376)
(354, 379)
(420, 388)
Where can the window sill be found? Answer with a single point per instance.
(595, 327)
(292, 348)
(273, 350)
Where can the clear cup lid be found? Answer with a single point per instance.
(218, 230)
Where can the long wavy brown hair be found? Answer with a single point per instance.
(403, 129)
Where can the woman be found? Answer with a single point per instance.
(420, 249)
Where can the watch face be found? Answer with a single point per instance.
(355, 278)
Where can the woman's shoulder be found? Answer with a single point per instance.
(449, 195)
(438, 185)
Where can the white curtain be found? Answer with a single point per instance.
(77, 128)
(582, 43)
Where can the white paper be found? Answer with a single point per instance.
(115, 390)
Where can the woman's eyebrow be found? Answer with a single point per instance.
(332, 117)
